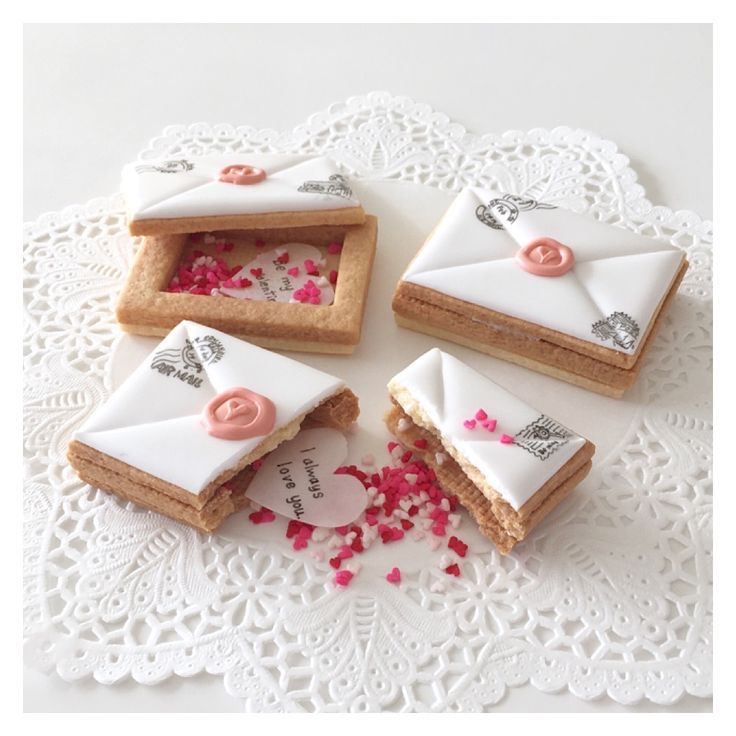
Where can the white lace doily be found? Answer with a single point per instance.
(613, 597)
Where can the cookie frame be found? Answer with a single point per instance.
(143, 308)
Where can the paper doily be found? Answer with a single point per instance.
(613, 597)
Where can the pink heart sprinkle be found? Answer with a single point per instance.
(335, 248)
(394, 576)
(293, 271)
(480, 415)
(506, 440)
(490, 425)
(469, 424)
(344, 552)
(343, 577)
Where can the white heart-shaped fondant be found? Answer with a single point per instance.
(275, 283)
(298, 480)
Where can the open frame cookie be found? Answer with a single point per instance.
(184, 433)
(277, 250)
(541, 286)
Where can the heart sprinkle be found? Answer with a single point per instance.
(457, 546)
(343, 578)
(310, 267)
(262, 517)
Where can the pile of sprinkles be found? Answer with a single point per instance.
(404, 502)
(201, 273)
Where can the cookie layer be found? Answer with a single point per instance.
(496, 519)
(526, 344)
(237, 191)
(225, 495)
(601, 303)
(261, 221)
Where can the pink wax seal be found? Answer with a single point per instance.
(545, 257)
(238, 414)
(242, 174)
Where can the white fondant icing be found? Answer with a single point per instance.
(615, 270)
(445, 392)
(153, 420)
(198, 192)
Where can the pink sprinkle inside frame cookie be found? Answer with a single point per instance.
(541, 286)
(275, 249)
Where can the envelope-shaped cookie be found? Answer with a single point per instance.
(234, 191)
(272, 248)
(541, 286)
(179, 436)
(508, 463)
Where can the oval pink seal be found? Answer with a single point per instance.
(545, 257)
(238, 414)
(242, 174)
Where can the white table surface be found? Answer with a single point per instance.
(94, 95)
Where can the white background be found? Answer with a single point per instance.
(94, 95)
